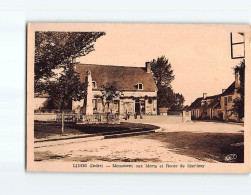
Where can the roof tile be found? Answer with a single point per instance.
(125, 77)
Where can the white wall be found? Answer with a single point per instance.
(39, 102)
(45, 117)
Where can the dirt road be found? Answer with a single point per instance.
(130, 149)
(186, 142)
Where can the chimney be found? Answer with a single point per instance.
(223, 90)
(148, 68)
(204, 95)
(237, 79)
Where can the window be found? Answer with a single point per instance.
(140, 86)
(225, 101)
(94, 85)
(230, 99)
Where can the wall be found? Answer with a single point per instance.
(157, 119)
(196, 113)
(186, 116)
(125, 104)
(45, 117)
(229, 106)
(216, 112)
(39, 102)
(151, 108)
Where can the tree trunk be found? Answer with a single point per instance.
(62, 119)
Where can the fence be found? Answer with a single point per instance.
(52, 111)
(100, 118)
(165, 112)
(179, 113)
(174, 117)
(78, 118)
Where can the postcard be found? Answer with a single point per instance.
(151, 98)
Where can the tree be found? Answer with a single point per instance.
(165, 97)
(162, 72)
(186, 107)
(179, 102)
(109, 92)
(163, 76)
(64, 89)
(55, 48)
(238, 107)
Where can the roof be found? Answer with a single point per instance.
(196, 103)
(212, 97)
(125, 77)
(229, 90)
(214, 104)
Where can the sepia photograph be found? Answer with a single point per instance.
(136, 97)
(125, 97)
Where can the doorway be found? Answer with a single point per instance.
(140, 107)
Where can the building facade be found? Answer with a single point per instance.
(136, 90)
(228, 97)
(218, 107)
(206, 107)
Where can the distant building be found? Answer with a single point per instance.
(206, 107)
(228, 97)
(136, 85)
(218, 106)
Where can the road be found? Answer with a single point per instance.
(127, 149)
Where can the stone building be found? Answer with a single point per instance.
(206, 107)
(136, 88)
(218, 106)
(228, 97)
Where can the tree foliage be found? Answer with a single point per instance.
(238, 107)
(55, 48)
(162, 72)
(64, 89)
(163, 76)
(110, 91)
(179, 102)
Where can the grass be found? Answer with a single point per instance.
(203, 146)
(45, 129)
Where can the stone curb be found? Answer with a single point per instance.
(128, 134)
(159, 130)
(66, 141)
(65, 138)
(100, 136)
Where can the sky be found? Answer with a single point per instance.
(200, 55)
